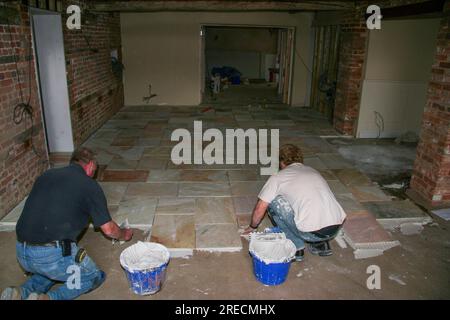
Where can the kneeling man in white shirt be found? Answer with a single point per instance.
(301, 204)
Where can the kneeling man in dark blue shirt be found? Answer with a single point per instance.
(59, 207)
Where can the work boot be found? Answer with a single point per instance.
(322, 249)
(11, 293)
(38, 296)
(299, 255)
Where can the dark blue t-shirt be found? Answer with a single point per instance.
(60, 206)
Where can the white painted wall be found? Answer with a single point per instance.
(164, 49)
(398, 69)
(53, 84)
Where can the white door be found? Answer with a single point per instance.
(49, 48)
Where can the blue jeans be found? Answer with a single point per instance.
(48, 267)
(282, 215)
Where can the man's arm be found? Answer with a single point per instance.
(112, 230)
(257, 216)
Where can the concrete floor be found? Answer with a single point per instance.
(384, 161)
(419, 269)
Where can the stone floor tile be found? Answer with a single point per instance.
(138, 211)
(349, 203)
(214, 210)
(13, 216)
(148, 141)
(402, 209)
(124, 142)
(248, 188)
(334, 161)
(244, 205)
(243, 220)
(317, 144)
(174, 231)
(149, 163)
(122, 164)
(170, 175)
(204, 189)
(114, 191)
(176, 206)
(352, 177)
(315, 163)
(328, 175)
(128, 153)
(361, 227)
(203, 175)
(338, 188)
(244, 175)
(218, 237)
(158, 152)
(373, 193)
(123, 175)
(144, 190)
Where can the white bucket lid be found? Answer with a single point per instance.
(144, 255)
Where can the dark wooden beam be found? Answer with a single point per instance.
(425, 9)
(213, 5)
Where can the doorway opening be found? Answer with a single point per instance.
(51, 73)
(244, 65)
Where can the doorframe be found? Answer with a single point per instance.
(202, 49)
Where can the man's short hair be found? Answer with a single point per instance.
(290, 154)
(83, 155)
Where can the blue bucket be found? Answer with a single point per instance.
(145, 277)
(147, 282)
(271, 274)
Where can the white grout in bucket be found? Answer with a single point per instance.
(272, 247)
(144, 255)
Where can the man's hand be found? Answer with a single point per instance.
(112, 230)
(248, 230)
(127, 234)
(257, 216)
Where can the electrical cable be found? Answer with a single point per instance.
(379, 122)
(303, 61)
(23, 110)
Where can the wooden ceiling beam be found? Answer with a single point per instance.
(212, 5)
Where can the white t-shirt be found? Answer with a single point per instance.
(308, 194)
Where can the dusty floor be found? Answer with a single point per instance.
(384, 161)
(419, 269)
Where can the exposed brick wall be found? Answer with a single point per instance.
(95, 93)
(19, 165)
(352, 54)
(353, 50)
(431, 175)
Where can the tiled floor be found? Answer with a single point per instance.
(199, 206)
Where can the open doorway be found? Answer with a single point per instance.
(51, 67)
(246, 65)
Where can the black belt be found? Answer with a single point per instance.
(327, 231)
(44, 244)
(65, 245)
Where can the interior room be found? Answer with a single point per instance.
(115, 93)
